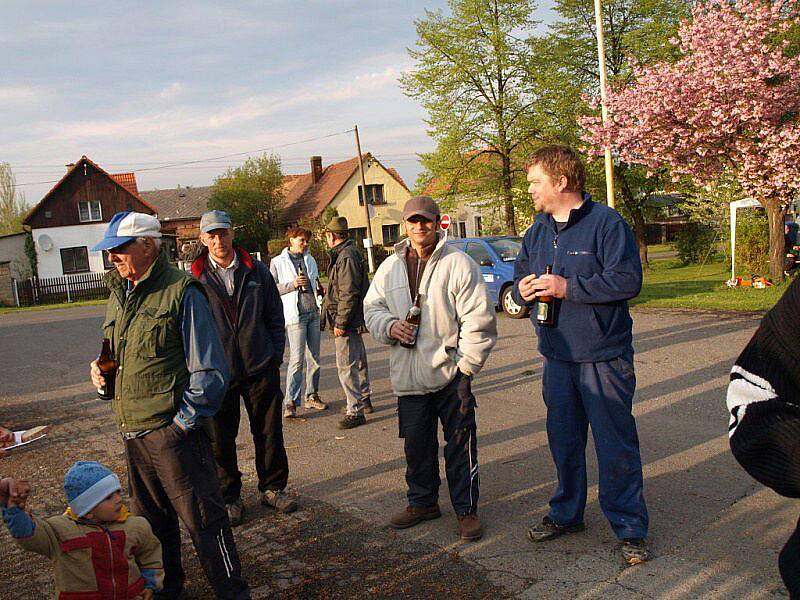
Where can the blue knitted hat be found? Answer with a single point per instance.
(87, 484)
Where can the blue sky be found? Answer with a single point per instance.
(139, 85)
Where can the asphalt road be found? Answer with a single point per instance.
(715, 533)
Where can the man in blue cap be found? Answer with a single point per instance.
(172, 376)
(249, 315)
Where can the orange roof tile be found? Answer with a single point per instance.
(126, 180)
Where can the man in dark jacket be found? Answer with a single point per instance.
(249, 315)
(588, 353)
(343, 312)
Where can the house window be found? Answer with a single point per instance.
(107, 264)
(462, 229)
(374, 194)
(358, 234)
(75, 260)
(391, 233)
(478, 227)
(89, 211)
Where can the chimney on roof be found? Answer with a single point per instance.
(316, 168)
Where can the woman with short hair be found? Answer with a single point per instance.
(297, 276)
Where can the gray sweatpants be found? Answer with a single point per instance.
(351, 363)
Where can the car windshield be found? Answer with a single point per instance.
(507, 248)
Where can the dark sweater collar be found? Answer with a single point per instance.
(575, 215)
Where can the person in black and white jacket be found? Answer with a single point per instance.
(764, 403)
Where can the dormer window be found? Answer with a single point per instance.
(89, 211)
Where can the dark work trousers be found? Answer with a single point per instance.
(171, 474)
(263, 400)
(767, 444)
(418, 417)
(599, 394)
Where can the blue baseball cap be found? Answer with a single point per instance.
(215, 219)
(127, 226)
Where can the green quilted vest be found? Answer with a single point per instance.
(145, 333)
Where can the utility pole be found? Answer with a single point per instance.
(368, 239)
(601, 58)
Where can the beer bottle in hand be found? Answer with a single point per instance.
(301, 288)
(413, 318)
(545, 306)
(108, 369)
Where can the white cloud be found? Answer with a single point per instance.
(21, 94)
(172, 91)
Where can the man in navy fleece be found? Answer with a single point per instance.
(588, 354)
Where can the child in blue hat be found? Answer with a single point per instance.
(95, 546)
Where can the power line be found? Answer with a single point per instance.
(285, 160)
(294, 162)
(198, 161)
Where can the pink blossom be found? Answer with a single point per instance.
(725, 105)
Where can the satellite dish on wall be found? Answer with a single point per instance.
(45, 242)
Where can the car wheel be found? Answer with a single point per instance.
(511, 308)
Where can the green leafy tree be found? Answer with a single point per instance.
(252, 194)
(635, 32)
(472, 77)
(12, 203)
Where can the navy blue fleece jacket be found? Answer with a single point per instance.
(596, 253)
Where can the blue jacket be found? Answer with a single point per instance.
(596, 253)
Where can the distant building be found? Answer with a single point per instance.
(307, 195)
(472, 213)
(72, 217)
(338, 186)
(179, 210)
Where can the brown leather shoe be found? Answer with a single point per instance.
(469, 527)
(414, 515)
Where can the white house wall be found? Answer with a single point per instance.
(68, 237)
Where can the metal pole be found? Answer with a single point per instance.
(16, 292)
(601, 58)
(370, 254)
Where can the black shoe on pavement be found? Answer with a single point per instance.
(352, 421)
(634, 551)
(549, 529)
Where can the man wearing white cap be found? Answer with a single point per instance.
(172, 376)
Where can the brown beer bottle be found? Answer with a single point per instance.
(545, 306)
(413, 318)
(108, 369)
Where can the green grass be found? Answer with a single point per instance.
(653, 248)
(668, 284)
(14, 309)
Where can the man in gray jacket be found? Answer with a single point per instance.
(343, 312)
(433, 363)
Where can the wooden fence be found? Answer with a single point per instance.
(55, 290)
